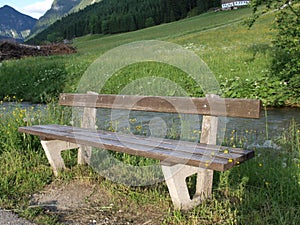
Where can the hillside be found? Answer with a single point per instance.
(114, 16)
(238, 57)
(59, 9)
(14, 25)
(83, 4)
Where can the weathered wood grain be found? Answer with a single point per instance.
(244, 108)
(199, 155)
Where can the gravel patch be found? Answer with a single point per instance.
(8, 217)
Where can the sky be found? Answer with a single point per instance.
(33, 8)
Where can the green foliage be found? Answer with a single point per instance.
(264, 190)
(40, 78)
(35, 79)
(23, 165)
(113, 16)
(286, 43)
(228, 58)
(159, 79)
(20, 175)
(271, 91)
(285, 64)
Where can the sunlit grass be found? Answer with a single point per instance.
(262, 190)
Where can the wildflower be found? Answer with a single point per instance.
(260, 165)
(132, 120)
(226, 151)
(207, 163)
(230, 160)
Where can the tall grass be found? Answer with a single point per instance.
(24, 168)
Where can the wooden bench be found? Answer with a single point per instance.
(179, 159)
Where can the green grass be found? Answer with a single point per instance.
(98, 43)
(234, 53)
(226, 45)
(264, 190)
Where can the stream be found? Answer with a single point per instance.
(253, 132)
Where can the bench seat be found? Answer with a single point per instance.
(207, 156)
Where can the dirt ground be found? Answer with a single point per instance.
(80, 202)
(12, 50)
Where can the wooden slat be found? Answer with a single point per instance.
(185, 146)
(244, 108)
(168, 150)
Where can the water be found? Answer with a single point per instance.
(257, 132)
(269, 127)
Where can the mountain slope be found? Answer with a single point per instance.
(14, 25)
(115, 16)
(59, 9)
(83, 4)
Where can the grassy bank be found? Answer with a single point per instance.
(264, 190)
(238, 57)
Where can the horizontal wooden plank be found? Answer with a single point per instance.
(200, 155)
(215, 106)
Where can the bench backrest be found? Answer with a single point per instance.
(212, 105)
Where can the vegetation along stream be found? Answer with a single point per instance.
(260, 132)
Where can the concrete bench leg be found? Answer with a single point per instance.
(53, 151)
(175, 177)
(84, 154)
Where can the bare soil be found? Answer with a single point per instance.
(12, 50)
(81, 202)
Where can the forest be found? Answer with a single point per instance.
(114, 16)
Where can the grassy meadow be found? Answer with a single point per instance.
(264, 190)
(238, 57)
